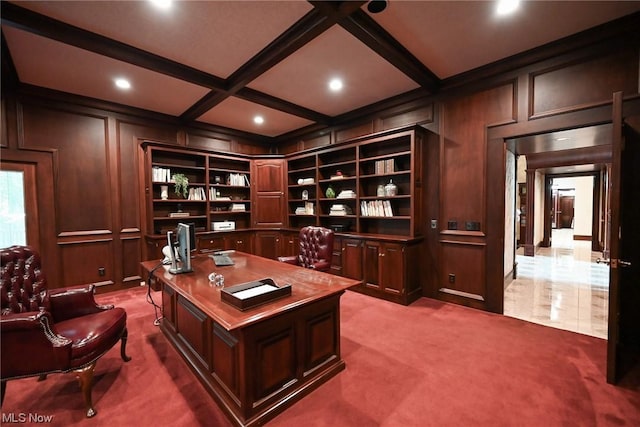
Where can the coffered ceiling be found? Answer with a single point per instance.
(224, 62)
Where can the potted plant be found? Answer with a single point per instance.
(182, 184)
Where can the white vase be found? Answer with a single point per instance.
(164, 192)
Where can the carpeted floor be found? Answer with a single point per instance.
(429, 364)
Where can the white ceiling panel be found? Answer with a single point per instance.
(237, 113)
(451, 37)
(213, 36)
(43, 62)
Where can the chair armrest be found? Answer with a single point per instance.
(293, 260)
(322, 265)
(35, 335)
(67, 303)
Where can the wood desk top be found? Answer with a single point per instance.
(306, 286)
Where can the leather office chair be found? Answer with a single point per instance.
(316, 247)
(45, 331)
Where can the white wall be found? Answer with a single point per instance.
(583, 203)
(509, 213)
(538, 206)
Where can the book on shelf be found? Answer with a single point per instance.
(178, 214)
(237, 207)
(238, 180)
(159, 174)
(384, 166)
(376, 208)
(196, 193)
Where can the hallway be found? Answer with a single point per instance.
(561, 287)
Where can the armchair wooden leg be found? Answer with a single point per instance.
(123, 345)
(85, 378)
(42, 377)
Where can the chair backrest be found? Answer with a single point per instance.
(23, 286)
(316, 244)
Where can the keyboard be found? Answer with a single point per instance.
(221, 260)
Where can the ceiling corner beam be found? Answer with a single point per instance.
(27, 20)
(323, 16)
(369, 32)
(10, 77)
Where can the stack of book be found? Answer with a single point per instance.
(347, 194)
(340, 210)
(237, 207)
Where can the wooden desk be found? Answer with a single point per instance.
(254, 363)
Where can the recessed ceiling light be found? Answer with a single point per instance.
(335, 85)
(505, 7)
(162, 4)
(258, 120)
(123, 84)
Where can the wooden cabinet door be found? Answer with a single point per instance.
(371, 265)
(268, 244)
(210, 243)
(239, 242)
(352, 258)
(392, 268)
(268, 203)
(290, 243)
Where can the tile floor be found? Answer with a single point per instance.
(561, 287)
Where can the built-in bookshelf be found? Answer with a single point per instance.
(367, 186)
(218, 189)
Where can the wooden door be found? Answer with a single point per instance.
(371, 265)
(566, 211)
(392, 268)
(623, 351)
(352, 258)
(268, 203)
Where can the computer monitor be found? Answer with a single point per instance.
(186, 243)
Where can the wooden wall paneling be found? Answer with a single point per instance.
(430, 216)
(354, 131)
(462, 273)
(4, 124)
(416, 115)
(586, 83)
(82, 175)
(87, 261)
(129, 257)
(463, 163)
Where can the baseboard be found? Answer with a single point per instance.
(580, 237)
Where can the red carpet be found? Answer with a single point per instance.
(429, 364)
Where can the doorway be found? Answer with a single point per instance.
(560, 285)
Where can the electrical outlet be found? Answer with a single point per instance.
(101, 271)
(452, 225)
(452, 278)
(472, 226)
(434, 224)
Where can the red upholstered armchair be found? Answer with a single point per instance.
(316, 247)
(46, 331)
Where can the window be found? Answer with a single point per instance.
(13, 228)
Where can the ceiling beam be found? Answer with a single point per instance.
(369, 32)
(310, 26)
(252, 95)
(10, 79)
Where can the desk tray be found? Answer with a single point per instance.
(243, 298)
